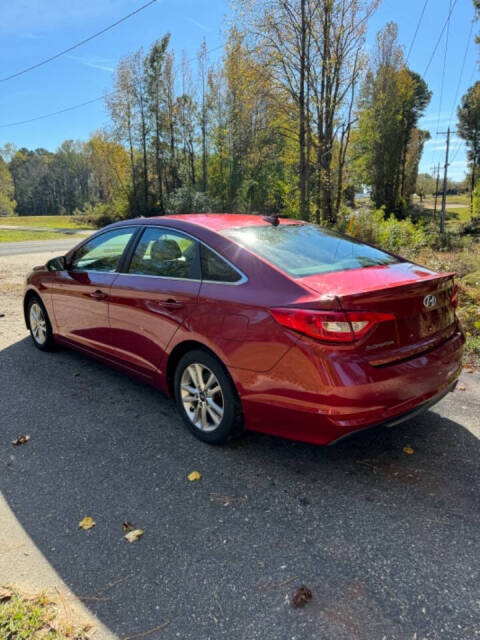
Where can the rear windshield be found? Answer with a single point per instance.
(306, 249)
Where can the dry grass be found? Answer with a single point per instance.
(466, 263)
(37, 617)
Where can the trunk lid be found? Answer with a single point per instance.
(420, 300)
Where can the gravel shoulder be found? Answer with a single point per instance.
(387, 542)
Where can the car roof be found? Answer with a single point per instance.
(220, 221)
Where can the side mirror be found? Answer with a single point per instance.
(57, 264)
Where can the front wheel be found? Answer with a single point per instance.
(206, 398)
(39, 325)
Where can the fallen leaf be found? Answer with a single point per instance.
(86, 523)
(461, 387)
(127, 526)
(301, 596)
(408, 450)
(20, 440)
(195, 475)
(5, 594)
(131, 536)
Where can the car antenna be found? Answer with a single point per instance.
(273, 219)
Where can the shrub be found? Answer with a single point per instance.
(390, 234)
(7, 206)
(187, 200)
(101, 214)
(476, 200)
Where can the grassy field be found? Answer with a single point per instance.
(46, 222)
(16, 235)
(462, 200)
(457, 210)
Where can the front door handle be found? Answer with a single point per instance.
(171, 303)
(98, 295)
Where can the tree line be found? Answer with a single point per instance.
(295, 118)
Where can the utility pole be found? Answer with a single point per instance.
(437, 170)
(444, 194)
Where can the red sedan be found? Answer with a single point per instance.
(271, 325)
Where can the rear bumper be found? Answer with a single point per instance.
(413, 413)
(321, 396)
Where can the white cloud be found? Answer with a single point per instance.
(30, 36)
(95, 62)
(432, 119)
(198, 24)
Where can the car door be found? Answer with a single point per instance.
(157, 294)
(80, 294)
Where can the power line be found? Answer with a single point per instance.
(416, 31)
(54, 113)
(445, 26)
(78, 44)
(447, 21)
(461, 72)
(456, 151)
(81, 104)
(442, 86)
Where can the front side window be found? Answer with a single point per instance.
(165, 253)
(306, 249)
(215, 269)
(103, 252)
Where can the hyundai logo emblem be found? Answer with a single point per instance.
(429, 301)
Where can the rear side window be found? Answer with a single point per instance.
(306, 249)
(165, 253)
(215, 268)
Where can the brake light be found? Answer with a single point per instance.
(454, 297)
(330, 326)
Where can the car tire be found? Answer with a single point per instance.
(39, 325)
(206, 398)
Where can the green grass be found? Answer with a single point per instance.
(14, 235)
(462, 214)
(456, 216)
(34, 618)
(428, 201)
(47, 222)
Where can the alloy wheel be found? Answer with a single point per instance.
(38, 324)
(202, 397)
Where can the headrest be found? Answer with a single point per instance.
(165, 249)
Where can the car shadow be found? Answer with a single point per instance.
(386, 541)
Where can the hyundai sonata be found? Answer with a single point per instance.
(268, 324)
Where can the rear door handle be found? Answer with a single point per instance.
(98, 295)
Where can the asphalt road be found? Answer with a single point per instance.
(38, 246)
(387, 542)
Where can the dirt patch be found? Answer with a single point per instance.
(13, 270)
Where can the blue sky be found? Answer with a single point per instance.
(31, 30)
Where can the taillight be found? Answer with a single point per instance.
(454, 297)
(330, 326)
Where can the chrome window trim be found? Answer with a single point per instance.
(243, 277)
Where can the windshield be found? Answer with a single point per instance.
(306, 249)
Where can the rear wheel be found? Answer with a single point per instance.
(39, 325)
(206, 398)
